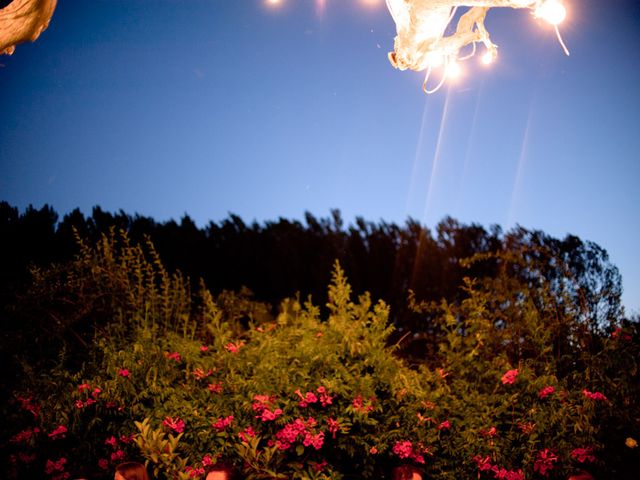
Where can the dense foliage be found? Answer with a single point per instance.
(115, 358)
(279, 258)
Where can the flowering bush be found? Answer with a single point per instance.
(186, 385)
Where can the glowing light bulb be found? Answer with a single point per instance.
(454, 70)
(488, 58)
(552, 11)
(433, 59)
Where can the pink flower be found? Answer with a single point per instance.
(177, 425)
(446, 425)
(79, 404)
(483, 463)
(215, 387)
(96, 392)
(526, 428)
(373, 450)
(27, 404)
(127, 438)
(24, 435)
(325, 398)
(207, 461)
(55, 466)
(58, 432)
(306, 399)
(583, 454)
(315, 441)
(234, 347)
(112, 441)
(334, 426)
(546, 391)
(204, 348)
(359, 405)
(194, 472)
(123, 372)
(403, 449)
(117, 456)
(544, 461)
(84, 386)
(172, 356)
(200, 373)
(246, 434)
(594, 395)
(267, 415)
(103, 463)
(90, 401)
(223, 423)
(489, 433)
(510, 377)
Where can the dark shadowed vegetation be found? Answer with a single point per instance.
(489, 354)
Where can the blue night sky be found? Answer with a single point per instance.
(205, 107)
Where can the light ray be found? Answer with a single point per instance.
(436, 157)
(517, 181)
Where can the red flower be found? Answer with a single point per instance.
(359, 406)
(177, 425)
(117, 456)
(267, 415)
(446, 425)
(123, 372)
(510, 377)
(594, 395)
(583, 455)
(334, 426)
(58, 432)
(544, 461)
(172, 356)
(325, 398)
(306, 399)
(223, 423)
(55, 466)
(204, 348)
(526, 428)
(84, 386)
(215, 387)
(246, 434)
(315, 441)
(200, 373)
(489, 433)
(546, 391)
(103, 463)
(403, 449)
(79, 404)
(234, 347)
(111, 441)
(373, 450)
(24, 435)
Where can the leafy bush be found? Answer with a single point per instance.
(186, 382)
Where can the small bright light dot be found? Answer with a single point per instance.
(274, 2)
(552, 11)
(488, 58)
(454, 70)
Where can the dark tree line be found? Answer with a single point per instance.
(279, 258)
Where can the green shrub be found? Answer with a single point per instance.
(183, 383)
